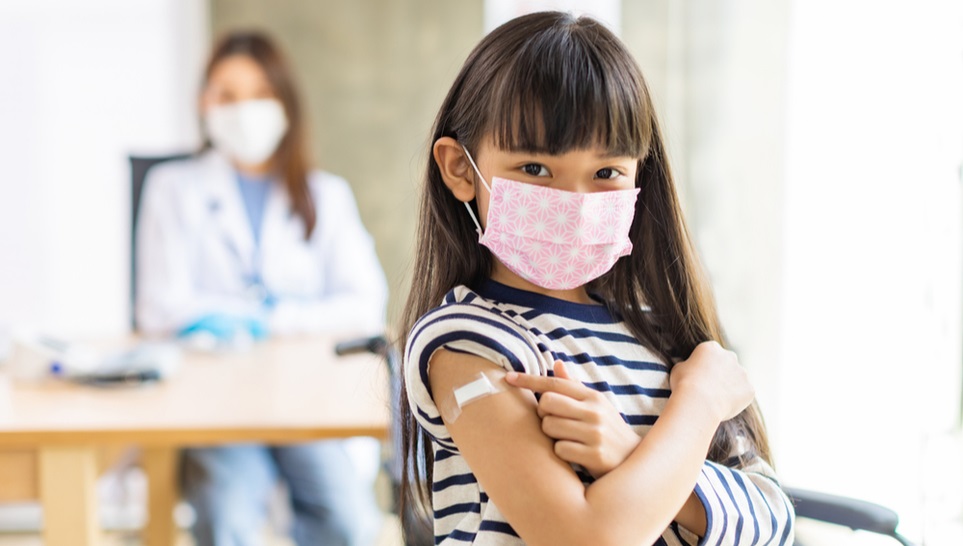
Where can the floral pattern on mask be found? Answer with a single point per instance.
(557, 239)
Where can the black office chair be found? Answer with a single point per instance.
(856, 514)
(139, 166)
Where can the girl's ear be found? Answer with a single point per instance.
(455, 169)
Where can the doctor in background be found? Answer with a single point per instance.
(245, 240)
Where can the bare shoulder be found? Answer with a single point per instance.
(449, 370)
(501, 439)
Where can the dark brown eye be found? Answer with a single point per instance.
(606, 173)
(534, 169)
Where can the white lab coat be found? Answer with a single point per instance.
(195, 254)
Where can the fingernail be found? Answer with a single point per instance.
(510, 376)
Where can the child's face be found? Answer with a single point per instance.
(581, 171)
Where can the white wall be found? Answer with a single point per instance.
(84, 85)
(818, 145)
(870, 354)
(501, 11)
(728, 128)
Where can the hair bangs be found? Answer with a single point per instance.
(590, 97)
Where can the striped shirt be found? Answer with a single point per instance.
(528, 332)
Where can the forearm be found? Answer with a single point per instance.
(167, 315)
(537, 491)
(657, 479)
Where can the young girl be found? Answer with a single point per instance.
(564, 380)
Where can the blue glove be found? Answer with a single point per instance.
(226, 327)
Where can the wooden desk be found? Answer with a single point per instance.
(280, 392)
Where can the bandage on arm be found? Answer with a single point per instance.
(451, 404)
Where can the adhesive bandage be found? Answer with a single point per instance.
(480, 387)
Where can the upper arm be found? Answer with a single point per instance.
(150, 212)
(160, 253)
(501, 439)
(160, 230)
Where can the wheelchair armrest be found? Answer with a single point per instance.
(371, 344)
(852, 513)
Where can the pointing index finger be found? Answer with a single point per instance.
(538, 383)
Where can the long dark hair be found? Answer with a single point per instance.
(292, 157)
(549, 83)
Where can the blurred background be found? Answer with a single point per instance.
(818, 146)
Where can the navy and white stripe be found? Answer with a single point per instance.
(528, 332)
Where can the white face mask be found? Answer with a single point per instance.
(248, 131)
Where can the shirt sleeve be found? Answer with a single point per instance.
(744, 506)
(355, 292)
(470, 329)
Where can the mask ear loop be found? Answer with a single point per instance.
(467, 206)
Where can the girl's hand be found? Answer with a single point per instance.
(713, 376)
(587, 429)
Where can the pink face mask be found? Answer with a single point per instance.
(555, 239)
